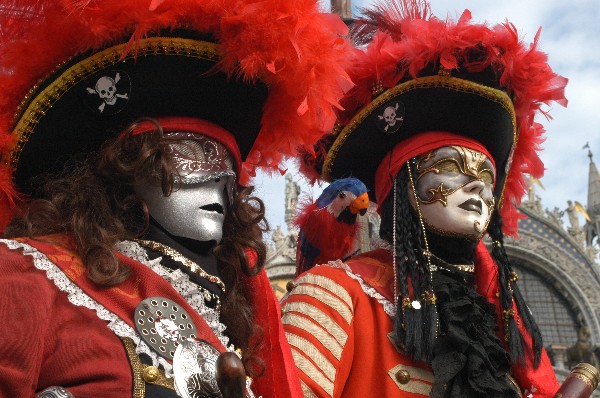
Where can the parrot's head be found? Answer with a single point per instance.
(345, 199)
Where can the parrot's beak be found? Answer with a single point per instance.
(360, 204)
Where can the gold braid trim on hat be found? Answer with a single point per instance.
(449, 82)
(44, 100)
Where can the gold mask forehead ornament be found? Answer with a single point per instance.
(447, 169)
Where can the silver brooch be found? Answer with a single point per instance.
(55, 392)
(195, 368)
(163, 325)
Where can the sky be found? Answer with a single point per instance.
(571, 37)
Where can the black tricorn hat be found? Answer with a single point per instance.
(430, 103)
(76, 73)
(97, 95)
(422, 74)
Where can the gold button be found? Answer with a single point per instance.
(151, 374)
(402, 376)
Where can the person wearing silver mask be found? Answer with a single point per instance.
(174, 180)
(132, 263)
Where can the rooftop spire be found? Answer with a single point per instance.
(593, 203)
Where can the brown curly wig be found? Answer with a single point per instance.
(95, 202)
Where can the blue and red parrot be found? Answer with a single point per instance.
(328, 227)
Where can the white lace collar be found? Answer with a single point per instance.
(180, 281)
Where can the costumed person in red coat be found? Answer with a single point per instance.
(133, 259)
(440, 127)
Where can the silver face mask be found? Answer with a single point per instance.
(202, 192)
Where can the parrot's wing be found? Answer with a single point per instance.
(306, 254)
(324, 235)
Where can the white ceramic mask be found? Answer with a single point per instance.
(455, 188)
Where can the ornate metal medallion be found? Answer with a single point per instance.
(194, 367)
(55, 392)
(163, 325)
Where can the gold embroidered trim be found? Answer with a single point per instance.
(328, 284)
(312, 372)
(585, 371)
(137, 367)
(309, 350)
(420, 379)
(152, 46)
(449, 82)
(326, 298)
(308, 326)
(319, 317)
(306, 391)
(139, 386)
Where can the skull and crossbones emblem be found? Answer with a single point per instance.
(391, 117)
(106, 89)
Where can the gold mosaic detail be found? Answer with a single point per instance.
(43, 101)
(326, 298)
(452, 83)
(316, 331)
(319, 317)
(137, 368)
(312, 372)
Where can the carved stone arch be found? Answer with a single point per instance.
(558, 276)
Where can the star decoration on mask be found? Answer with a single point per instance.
(439, 194)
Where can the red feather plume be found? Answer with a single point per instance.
(404, 39)
(290, 45)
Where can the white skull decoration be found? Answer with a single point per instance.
(390, 116)
(106, 88)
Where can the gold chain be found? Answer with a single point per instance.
(175, 255)
(461, 267)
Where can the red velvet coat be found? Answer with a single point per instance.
(47, 340)
(338, 319)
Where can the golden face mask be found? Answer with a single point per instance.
(454, 188)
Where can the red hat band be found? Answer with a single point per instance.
(415, 146)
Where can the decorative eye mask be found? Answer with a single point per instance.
(447, 169)
(199, 158)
